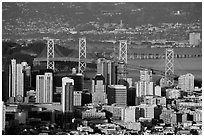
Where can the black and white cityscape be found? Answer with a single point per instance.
(101, 68)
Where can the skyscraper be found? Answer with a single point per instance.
(145, 85)
(20, 81)
(145, 75)
(117, 94)
(67, 98)
(77, 98)
(40, 84)
(112, 80)
(44, 88)
(186, 82)
(48, 87)
(3, 116)
(102, 68)
(150, 89)
(142, 88)
(27, 77)
(98, 89)
(157, 91)
(13, 79)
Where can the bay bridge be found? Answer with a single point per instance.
(52, 54)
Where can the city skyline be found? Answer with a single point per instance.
(115, 68)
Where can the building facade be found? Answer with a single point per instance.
(186, 82)
(117, 94)
(44, 88)
(67, 98)
(98, 90)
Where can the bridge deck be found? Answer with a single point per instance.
(65, 59)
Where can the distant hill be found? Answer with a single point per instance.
(132, 14)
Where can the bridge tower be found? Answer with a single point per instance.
(123, 59)
(50, 54)
(82, 55)
(169, 66)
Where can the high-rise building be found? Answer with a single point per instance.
(13, 79)
(98, 90)
(142, 88)
(186, 82)
(67, 98)
(20, 81)
(107, 69)
(131, 95)
(48, 87)
(145, 75)
(150, 90)
(157, 91)
(145, 85)
(117, 94)
(44, 88)
(27, 77)
(102, 68)
(3, 116)
(40, 84)
(77, 98)
(112, 77)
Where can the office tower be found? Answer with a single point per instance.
(145, 75)
(138, 92)
(145, 86)
(67, 98)
(157, 91)
(141, 88)
(48, 87)
(150, 90)
(79, 81)
(117, 94)
(186, 82)
(112, 76)
(194, 38)
(3, 116)
(44, 88)
(13, 78)
(98, 90)
(20, 81)
(102, 68)
(77, 98)
(131, 95)
(40, 93)
(27, 77)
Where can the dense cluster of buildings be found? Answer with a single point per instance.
(142, 107)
